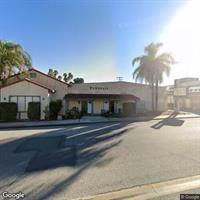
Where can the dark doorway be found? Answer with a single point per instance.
(129, 109)
(112, 106)
(84, 107)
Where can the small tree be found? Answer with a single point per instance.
(55, 107)
(78, 80)
(34, 110)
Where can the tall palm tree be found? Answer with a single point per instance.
(13, 58)
(55, 73)
(151, 68)
(60, 78)
(50, 72)
(67, 77)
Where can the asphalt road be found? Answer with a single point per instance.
(77, 161)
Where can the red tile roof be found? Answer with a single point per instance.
(33, 69)
(30, 81)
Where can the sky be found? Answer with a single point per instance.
(96, 39)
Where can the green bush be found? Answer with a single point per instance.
(105, 113)
(74, 113)
(8, 111)
(54, 108)
(34, 110)
(46, 113)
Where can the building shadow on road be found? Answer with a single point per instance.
(169, 121)
(79, 148)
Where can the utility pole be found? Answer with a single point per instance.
(119, 78)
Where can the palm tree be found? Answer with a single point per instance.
(50, 72)
(55, 73)
(13, 58)
(67, 77)
(151, 68)
(60, 78)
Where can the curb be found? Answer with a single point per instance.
(139, 119)
(57, 125)
(150, 191)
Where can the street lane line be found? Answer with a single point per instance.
(93, 130)
(150, 191)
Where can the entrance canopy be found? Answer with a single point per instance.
(79, 96)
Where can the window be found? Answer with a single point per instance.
(21, 104)
(36, 99)
(22, 101)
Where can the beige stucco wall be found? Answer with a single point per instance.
(181, 91)
(98, 106)
(61, 88)
(26, 89)
(74, 104)
(140, 90)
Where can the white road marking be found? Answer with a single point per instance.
(93, 130)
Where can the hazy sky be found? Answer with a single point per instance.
(92, 39)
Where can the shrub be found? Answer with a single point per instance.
(74, 113)
(105, 113)
(34, 110)
(46, 113)
(8, 111)
(54, 108)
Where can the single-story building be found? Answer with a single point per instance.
(94, 104)
(89, 98)
(185, 94)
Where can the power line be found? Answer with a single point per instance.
(119, 78)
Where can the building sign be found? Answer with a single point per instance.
(98, 88)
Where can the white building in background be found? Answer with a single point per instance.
(184, 94)
(90, 98)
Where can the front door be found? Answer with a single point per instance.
(112, 106)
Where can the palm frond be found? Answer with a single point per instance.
(136, 60)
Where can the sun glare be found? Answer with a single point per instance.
(182, 38)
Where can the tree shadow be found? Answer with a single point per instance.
(169, 121)
(79, 148)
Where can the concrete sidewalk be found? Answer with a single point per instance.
(84, 120)
(95, 119)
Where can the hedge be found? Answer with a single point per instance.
(8, 111)
(34, 110)
(54, 108)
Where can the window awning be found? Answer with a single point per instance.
(81, 96)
